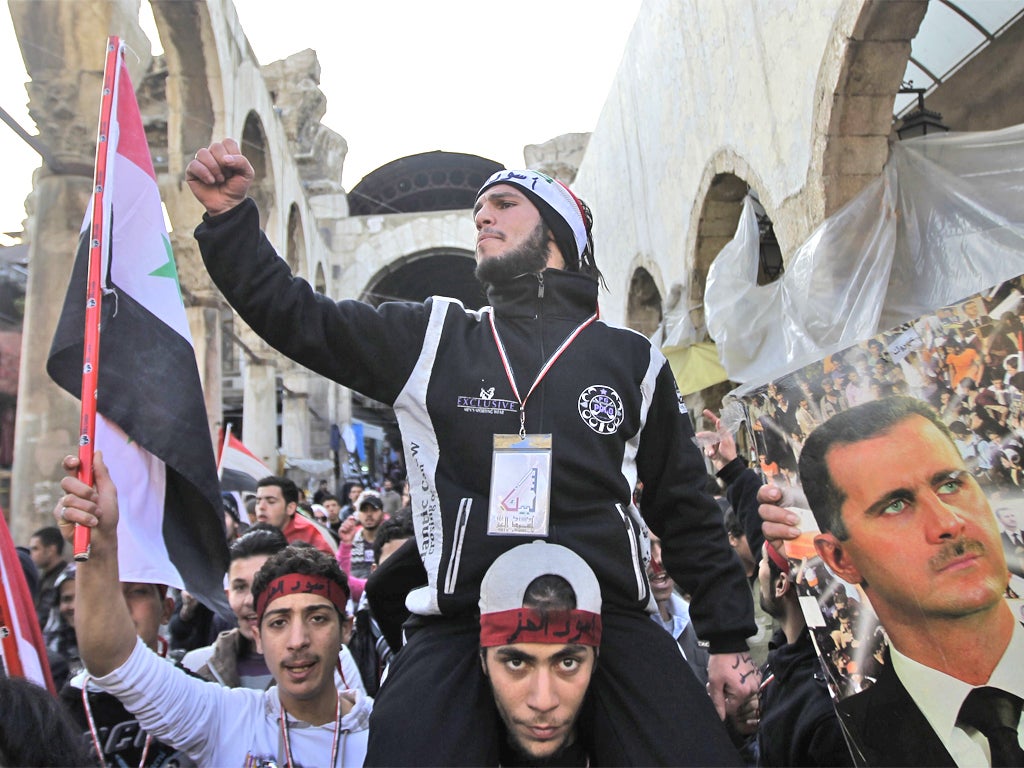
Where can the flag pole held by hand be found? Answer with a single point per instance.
(99, 240)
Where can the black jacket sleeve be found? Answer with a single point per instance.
(371, 350)
(695, 549)
(742, 484)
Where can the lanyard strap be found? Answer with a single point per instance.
(286, 737)
(544, 368)
(94, 731)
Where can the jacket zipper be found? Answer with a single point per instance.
(452, 574)
(634, 551)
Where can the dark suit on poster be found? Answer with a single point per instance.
(885, 727)
(1014, 553)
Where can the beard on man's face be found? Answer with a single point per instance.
(529, 256)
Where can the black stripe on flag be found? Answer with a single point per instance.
(149, 386)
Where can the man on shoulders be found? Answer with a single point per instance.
(277, 503)
(597, 407)
(299, 597)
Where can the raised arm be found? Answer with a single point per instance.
(106, 634)
(219, 176)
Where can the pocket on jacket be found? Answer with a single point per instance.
(634, 553)
(451, 576)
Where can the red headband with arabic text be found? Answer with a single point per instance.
(296, 583)
(529, 625)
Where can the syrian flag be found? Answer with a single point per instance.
(22, 651)
(151, 423)
(238, 468)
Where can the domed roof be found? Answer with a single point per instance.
(430, 181)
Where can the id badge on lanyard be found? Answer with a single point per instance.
(520, 503)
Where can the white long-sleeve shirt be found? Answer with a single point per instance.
(218, 726)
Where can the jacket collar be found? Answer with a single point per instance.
(567, 295)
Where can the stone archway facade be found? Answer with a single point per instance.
(792, 98)
(207, 84)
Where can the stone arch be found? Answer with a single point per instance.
(194, 107)
(320, 282)
(857, 119)
(430, 272)
(643, 303)
(256, 148)
(295, 245)
(727, 180)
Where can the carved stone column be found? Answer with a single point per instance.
(295, 415)
(259, 410)
(63, 44)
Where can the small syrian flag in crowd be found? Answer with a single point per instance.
(22, 651)
(151, 423)
(238, 468)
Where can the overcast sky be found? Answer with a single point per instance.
(405, 76)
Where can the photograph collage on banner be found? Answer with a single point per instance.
(909, 449)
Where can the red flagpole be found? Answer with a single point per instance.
(99, 239)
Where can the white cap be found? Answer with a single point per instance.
(504, 585)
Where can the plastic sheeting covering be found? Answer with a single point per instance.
(944, 220)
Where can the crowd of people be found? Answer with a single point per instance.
(555, 581)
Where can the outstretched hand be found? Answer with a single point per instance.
(348, 529)
(719, 446)
(219, 176)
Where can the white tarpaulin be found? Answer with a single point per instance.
(944, 220)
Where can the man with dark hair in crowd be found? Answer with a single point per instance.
(370, 514)
(333, 509)
(798, 724)
(321, 493)
(674, 614)
(350, 508)
(117, 736)
(540, 633)
(599, 409)
(901, 516)
(300, 598)
(368, 645)
(233, 660)
(277, 503)
(46, 547)
(59, 633)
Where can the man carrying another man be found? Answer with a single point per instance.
(536, 379)
(540, 630)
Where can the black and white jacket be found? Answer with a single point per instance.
(610, 402)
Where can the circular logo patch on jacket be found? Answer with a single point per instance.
(601, 409)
